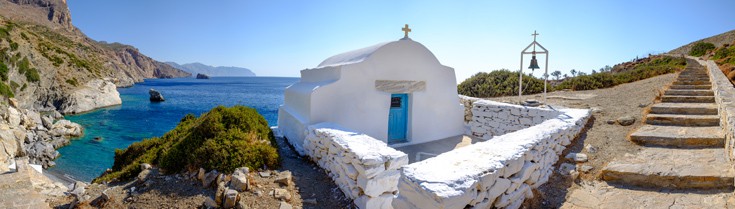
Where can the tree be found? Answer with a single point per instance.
(580, 73)
(608, 68)
(556, 74)
(574, 73)
(566, 76)
(594, 71)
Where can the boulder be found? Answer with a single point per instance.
(209, 178)
(281, 194)
(284, 178)
(13, 102)
(202, 76)
(78, 188)
(66, 128)
(94, 94)
(145, 166)
(13, 117)
(230, 198)
(239, 181)
(219, 193)
(626, 120)
(155, 96)
(285, 205)
(47, 122)
(577, 157)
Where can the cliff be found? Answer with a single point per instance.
(48, 64)
(220, 71)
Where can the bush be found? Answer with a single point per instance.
(73, 81)
(5, 90)
(654, 67)
(229, 138)
(32, 75)
(499, 83)
(701, 48)
(4, 71)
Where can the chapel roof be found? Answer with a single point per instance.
(352, 57)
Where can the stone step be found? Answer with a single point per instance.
(690, 87)
(693, 74)
(683, 120)
(688, 99)
(685, 108)
(678, 136)
(692, 82)
(690, 92)
(657, 168)
(692, 79)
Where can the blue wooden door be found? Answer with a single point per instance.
(397, 118)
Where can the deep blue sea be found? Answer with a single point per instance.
(137, 118)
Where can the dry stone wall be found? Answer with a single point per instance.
(467, 103)
(725, 98)
(364, 168)
(498, 173)
(491, 118)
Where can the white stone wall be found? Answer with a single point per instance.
(725, 98)
(498, 173)
(491, 118)
(364, 168)
(467, 103)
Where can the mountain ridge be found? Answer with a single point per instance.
(718, 40)
(218, 71)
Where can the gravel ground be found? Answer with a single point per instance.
(609, 141)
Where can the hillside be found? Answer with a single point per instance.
(221, 71)
(718, 40)
(47, 63)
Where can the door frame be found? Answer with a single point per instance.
(405, 106)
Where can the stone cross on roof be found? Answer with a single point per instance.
(534, 35)
(406, 30)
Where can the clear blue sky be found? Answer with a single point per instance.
(279, 38)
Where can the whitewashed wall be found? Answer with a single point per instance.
(500, 172)
(364, 168)
(725, 98)
(491, 118)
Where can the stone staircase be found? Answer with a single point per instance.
(682, 139)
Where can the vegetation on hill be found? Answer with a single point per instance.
(222, 139)
(653, 67)
(505, 83)
(725, 57)
(701, 48)
(499, 83)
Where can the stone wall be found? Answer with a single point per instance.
(725, 98)
(491, 118)
(499, 173)
(364, 168)
(467, 103)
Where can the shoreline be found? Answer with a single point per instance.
(56, 176)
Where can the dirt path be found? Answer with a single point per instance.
(608, 141)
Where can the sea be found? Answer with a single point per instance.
(137, 118)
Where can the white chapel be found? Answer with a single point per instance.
(396, 91)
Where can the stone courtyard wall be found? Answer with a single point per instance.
(364, 168)
(491, 118)
(500, 172)
(467, 103)
(725, 98)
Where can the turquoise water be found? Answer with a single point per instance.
(137, 118)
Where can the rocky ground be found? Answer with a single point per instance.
(299, 183)
(605, 138)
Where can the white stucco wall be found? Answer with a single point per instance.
(345, 94)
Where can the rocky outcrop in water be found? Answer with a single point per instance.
(95, 94)
(155, 96)
(202, 76)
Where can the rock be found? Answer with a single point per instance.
(66, 128)
(577, 157)
(200, 174)
(209, 203)
(155, 96)
(586, 168)
(310, 201)
(202, 76)
(596, 110)
(241, 204)
(219, 193)
(239, 181)
(95, 94)
(610, 122)
(257, 193)
(78, 189)
(285, 205)
(284, 178)
(590, 148)
(626, 120)
(281, 194)
(265, 174)
(567, 168)
(104, 196)
(230, 198)
(13, 117)
(145, 166)
(57, 115)
(13, 102)
(209, 178)
(143, 175)
(47, 122)
(642, 105)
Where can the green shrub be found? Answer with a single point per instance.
(229, 138)
(724, 52)
(73, 81)
(23, 88)
(14, 85)
(5, 90)
(499, 83)
(701, 48)
(4, 71)
(24, 65)
(13, 46)
(654, 67)
(32, 75)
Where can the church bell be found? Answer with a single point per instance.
(534, 63)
